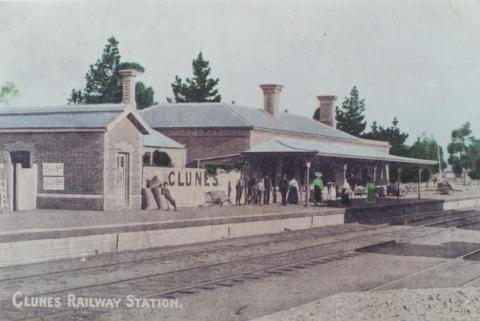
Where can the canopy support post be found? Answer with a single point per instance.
(307, 183)
(398, 181)
(419, 181)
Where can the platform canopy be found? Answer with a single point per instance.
(294, 147)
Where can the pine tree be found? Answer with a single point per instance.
(103, 83)
(199, 88)
(350, 117)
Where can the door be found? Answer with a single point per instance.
(122, 182)
(23, 158)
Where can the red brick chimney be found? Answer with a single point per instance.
(327, 111)
(271, 95)
(128, 87)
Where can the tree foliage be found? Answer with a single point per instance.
(161, 158)
(8, 91)
(425, 147)
(316, 114)
(199, 88)
(396, 138)
(458, 149)
(103, 83)
(392, 135)
(350, 116)
(473, 159)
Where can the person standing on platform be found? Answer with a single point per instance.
(371, 191)
(317, 188)
(345, 194)
(168, 196)
(293, 188)
(250, 191)
(239, 190)
(267, 182)
(283, 187)
(260, 191)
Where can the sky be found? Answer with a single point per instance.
(417, 60)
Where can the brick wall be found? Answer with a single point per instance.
(123, 138)
(209, 142)
(82, 156)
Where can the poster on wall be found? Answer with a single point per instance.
(53, 183)
(52, 169)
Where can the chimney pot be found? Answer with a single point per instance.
(128, 87)
(271, 95)
(327, 112)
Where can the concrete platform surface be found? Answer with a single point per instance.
(45, 220)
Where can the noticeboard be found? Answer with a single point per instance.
(52, 169)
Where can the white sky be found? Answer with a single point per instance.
(414, 59)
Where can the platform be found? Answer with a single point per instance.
(44, 235)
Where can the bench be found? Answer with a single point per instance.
(216, 198)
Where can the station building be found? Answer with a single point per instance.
(273, 141)
(98, 157)
(79, 157)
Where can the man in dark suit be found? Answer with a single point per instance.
(267, 182)
(283, 187)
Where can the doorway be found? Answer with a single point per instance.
(122, 182)
(21, 157)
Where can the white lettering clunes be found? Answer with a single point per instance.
(23, 301)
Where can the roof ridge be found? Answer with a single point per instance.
(289, 146)
(238, 115)
(66, 109)
(175, 104)
(53, 112)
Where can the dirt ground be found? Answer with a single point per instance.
(418, 304)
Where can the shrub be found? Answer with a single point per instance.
(161, 159)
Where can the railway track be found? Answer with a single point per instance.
(238, 271)
(430, 269)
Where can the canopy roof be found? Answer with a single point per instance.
(329, 149)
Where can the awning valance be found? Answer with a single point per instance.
(285, 146)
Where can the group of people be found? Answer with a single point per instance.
(260, 191)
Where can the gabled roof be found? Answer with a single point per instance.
(156, 139)
(204, 115)
(329, 149)
(60, 117)
(77, 117)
